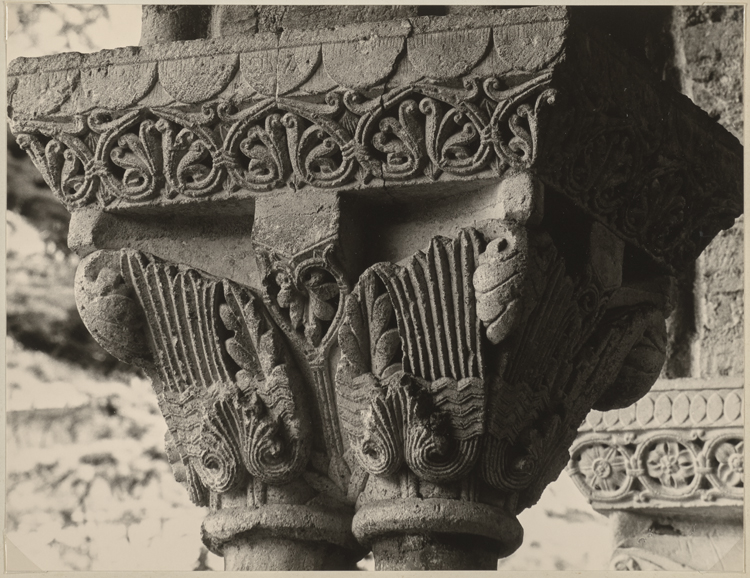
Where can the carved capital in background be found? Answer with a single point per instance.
(392, 293)
(670, 464)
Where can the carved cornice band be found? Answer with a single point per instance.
(681, 445)
(220, 119)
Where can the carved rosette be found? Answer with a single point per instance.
(676, 446)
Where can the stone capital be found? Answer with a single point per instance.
(669, 467)
(380, 274)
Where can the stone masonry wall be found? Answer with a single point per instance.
(709, 57)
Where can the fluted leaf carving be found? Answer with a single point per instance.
(225, 381)
(410, 379)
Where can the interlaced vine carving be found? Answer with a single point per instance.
(651, 467)
(133, 156)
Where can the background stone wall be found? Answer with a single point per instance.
(85, 460)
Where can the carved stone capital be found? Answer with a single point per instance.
(377, 306)
(679, 448)
(240, 434)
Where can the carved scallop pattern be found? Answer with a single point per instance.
(594, 418)
(698, 409)
(627, 415)
(518, 47)
(644, 411)
(118, 86)
(194, 80)
(714, 408)
(611, 418)
(680, 409)
(732, 406)
(258, 70)
(379, 53)
(43, 93)
(663, 409)
(273, 72)
(444, 55)
(295, 66)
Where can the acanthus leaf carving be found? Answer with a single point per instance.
(410, 393)
(413, 389)
(226, 384)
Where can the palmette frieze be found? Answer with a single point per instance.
(414, 134)
(217, 120)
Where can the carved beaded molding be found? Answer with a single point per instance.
(231, 119)
(682, 444)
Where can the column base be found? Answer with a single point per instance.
(435, 552)
(249, 552)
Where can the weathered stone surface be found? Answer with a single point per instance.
(412, 402)
(719, 346)
(679, 447)
(161, 24)
(413, 134)
(711, 59)
(676, 543)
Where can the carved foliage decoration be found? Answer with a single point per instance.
(410, 381)
(305, 290)
(625, 157)
(413, 386)
(660, 467)
(225, 382)
(416, 132)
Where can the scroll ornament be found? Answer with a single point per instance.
(177, 152)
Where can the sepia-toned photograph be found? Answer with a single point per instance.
(374, 288)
